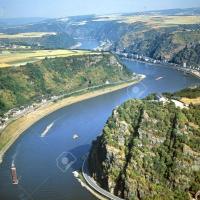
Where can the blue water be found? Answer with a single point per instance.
(42, 165)
(88, 44)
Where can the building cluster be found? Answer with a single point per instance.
(178, 104)
(195, 70)
(12, 47)
(141, 58)
(161, 98)
(22, 110)
(13, 113)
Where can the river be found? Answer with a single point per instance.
(45, 164)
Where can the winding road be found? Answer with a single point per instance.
(90, 181)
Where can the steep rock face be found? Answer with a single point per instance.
(149, 151)
(190, 55)
(165, 44)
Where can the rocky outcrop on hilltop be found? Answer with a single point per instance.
(149, 151)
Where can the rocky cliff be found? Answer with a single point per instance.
(149, 150)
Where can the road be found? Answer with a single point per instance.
(28, 110)
(90, 181)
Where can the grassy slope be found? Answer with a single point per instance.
(17, 127)
(189, 96)
(55, 76)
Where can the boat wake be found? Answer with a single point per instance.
(15, 154)
(157, 79)
(47, 129)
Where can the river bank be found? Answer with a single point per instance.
(12, 132)
(194, 73)
(81, 180)
(94, 187)
(87, 119)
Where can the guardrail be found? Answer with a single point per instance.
(90, 181)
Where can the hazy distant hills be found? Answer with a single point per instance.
(187, 11)
(19, 21)
(171, 35)
(37, 24)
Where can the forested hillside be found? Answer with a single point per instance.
(149, 150)
(48, 41)
(55, 76)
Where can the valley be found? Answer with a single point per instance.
(166, 36)
(121, 88)
(87, 118)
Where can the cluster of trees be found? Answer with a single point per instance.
(55, 76)
(171, 44)
(188, 92)
(160, 144)
(60, 40)
(189, 55)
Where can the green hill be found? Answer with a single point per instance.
(48, 41)
(149, 150)
(55, 76)
(173, 45)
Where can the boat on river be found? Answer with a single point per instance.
(15, 180)
(75, 136)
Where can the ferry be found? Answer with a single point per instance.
(15, 180)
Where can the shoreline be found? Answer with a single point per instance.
(11, 133)
(164, 65)
(84, 185)
(93, 187)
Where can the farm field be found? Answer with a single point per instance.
(25, 35)
(17, 58)
(162, 21)
(152, 20)
(194, 101)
